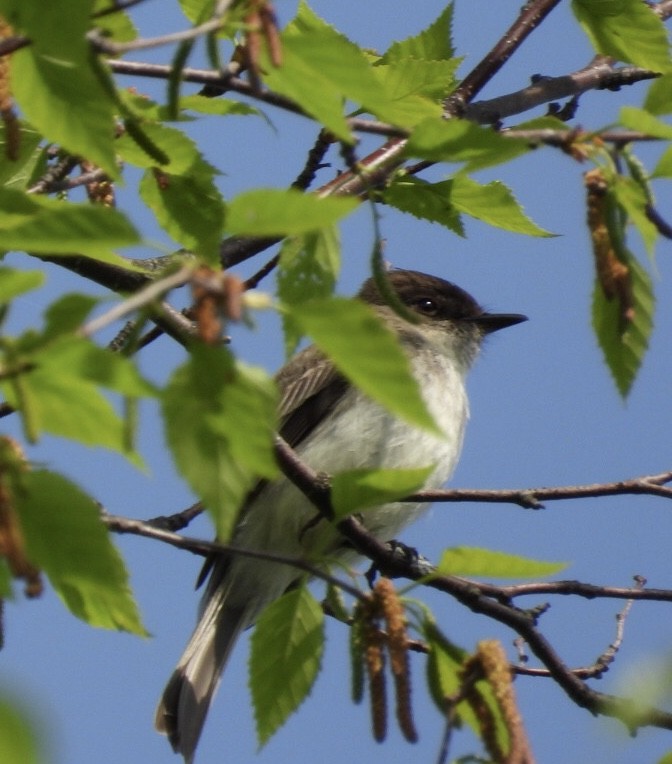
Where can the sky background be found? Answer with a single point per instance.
(544, 412)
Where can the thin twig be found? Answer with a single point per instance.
(102, 45)
(531, 498)
(531, 15)
(138, 300)
(207, 548)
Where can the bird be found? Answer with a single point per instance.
(332, 426)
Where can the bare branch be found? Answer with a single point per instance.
(140, 300)
(531, 498)
(531, 15)
(600, 74)
(125, 525)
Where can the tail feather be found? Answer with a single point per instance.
(186, 699)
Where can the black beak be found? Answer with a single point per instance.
(493, 322)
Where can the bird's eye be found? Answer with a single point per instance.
(426, 305)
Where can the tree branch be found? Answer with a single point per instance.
(600, 74)
(532, 14)
(531, 498)
(126, 525)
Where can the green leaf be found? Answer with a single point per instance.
(472, 561)
(18, 744)
(55, 83)
(427, 201)
(627, 30)
(67, 314)
(624, 342)
(14, 282)
(431, 79)
(181, 151)
(664, 167)
(220, 417)
(494, 204)
(445, 677)
(410, 90)
(659, 96)
(321, 69)
(216, 106)
(643, 121)
(353, 490)
(60, 394)
(458, 140)
(65, 537)
(197, 10)
(273, 212)
(17, 172)
(366, 352)
(5, 581)
(88, 361)
(432, 44)
(49, 226)
(634, 198)
(287, 647)
(308, 268)
(189, 207)
(116, 26)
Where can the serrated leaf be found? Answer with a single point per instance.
(48, 226)
(472, 561)
(322, 69)
(445, 677)
(54, 82)
(60, 393)
(18, 743)
(181, 151)
(274, 212)
(428, 201)
(412, 90)
(286, 653)
(432, 44)
(354, 490)
(366, 352)
(65, 537)
(88, 361)
(308, 268)
(189, 207)
(634, 199)
(219, 419)
(458, 140)
(625, 343)
(431, 79)
(493, 203)
(627, 30)
(14, 282)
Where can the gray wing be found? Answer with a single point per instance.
(310, 387)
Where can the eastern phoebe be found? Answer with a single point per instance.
(333, 427)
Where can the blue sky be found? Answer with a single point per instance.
(544, 412)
